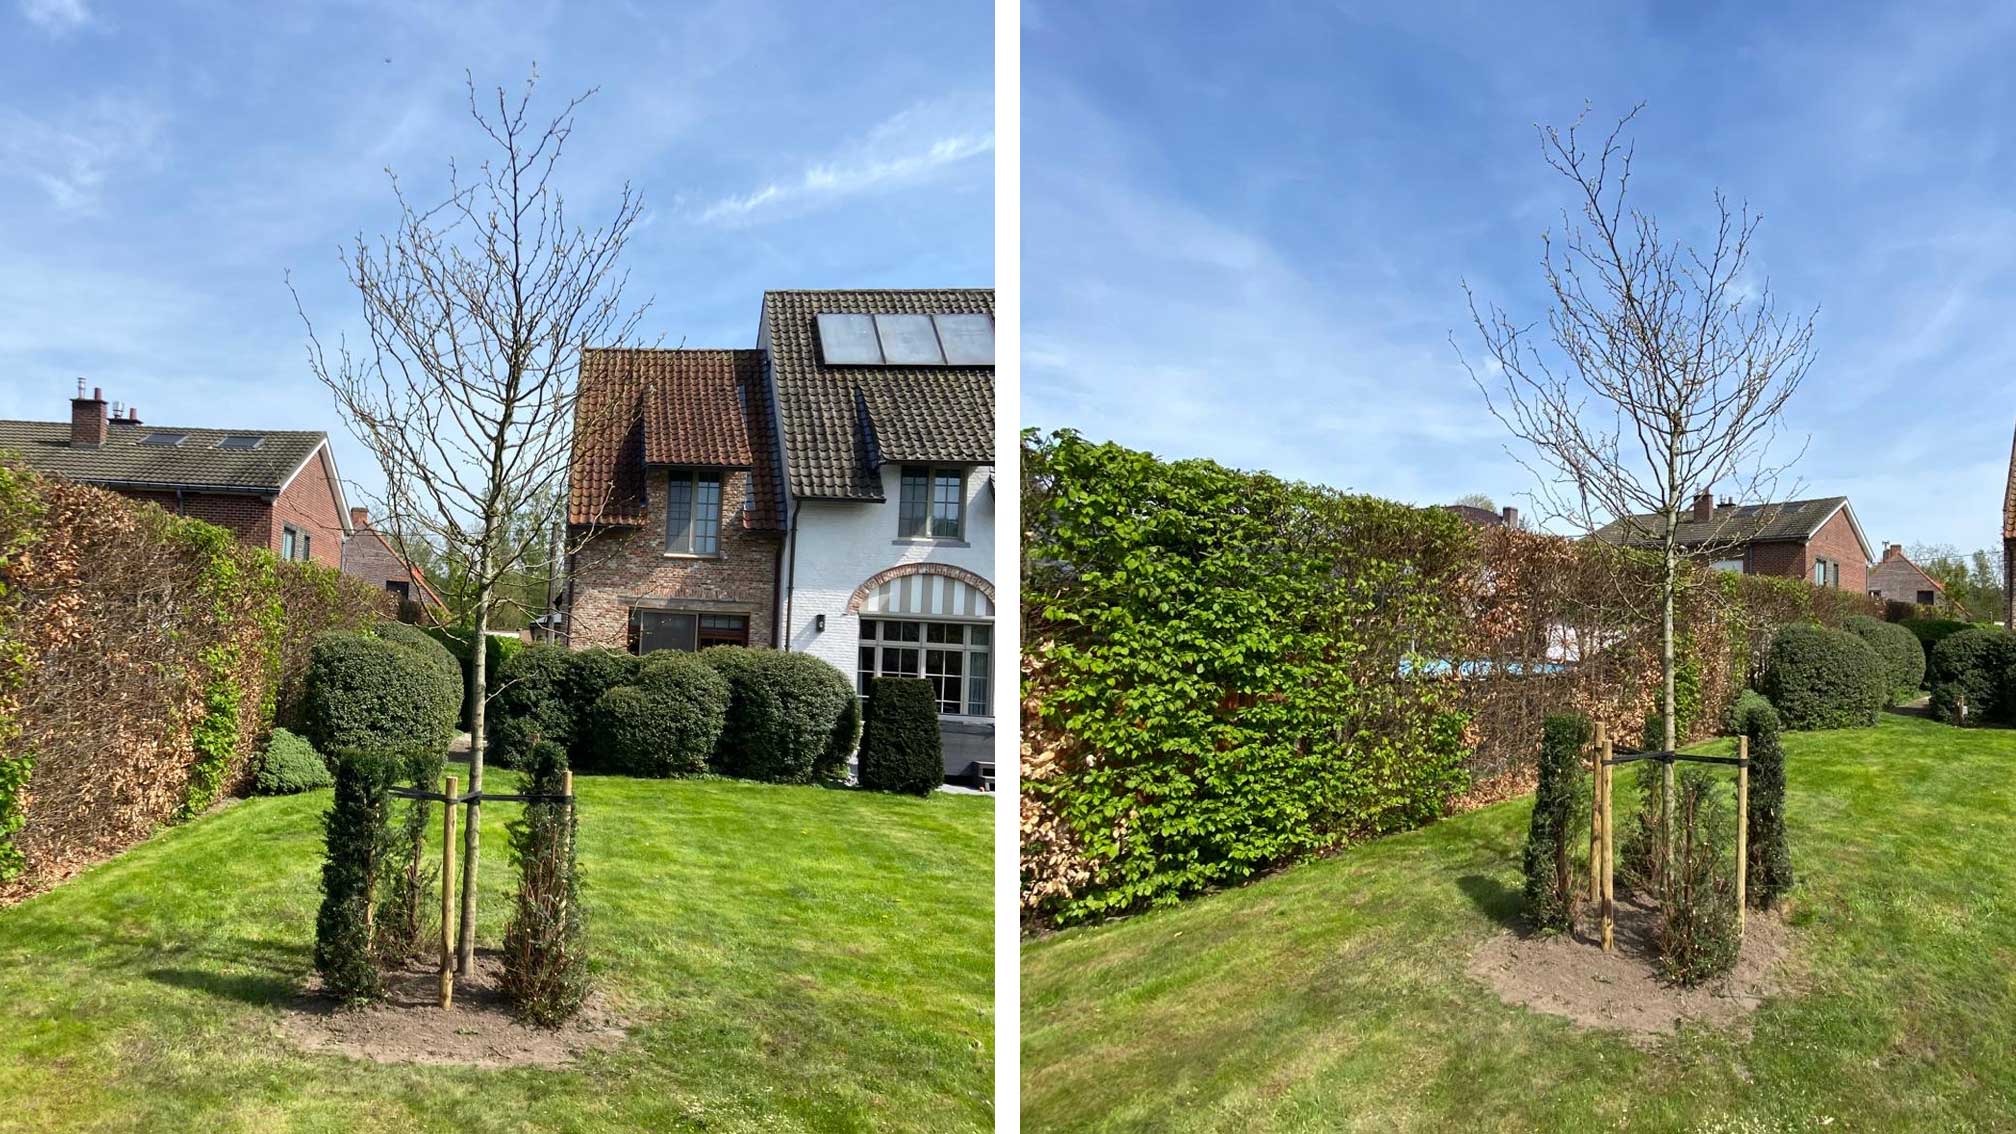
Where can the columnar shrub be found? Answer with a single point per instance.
(391, 687)
(531, 703)
(1641, 855)
(1819, 677)
(1770, 859)
(1549, 864)
(400, 926)
(792, 718)
(545, 956)
(290, 766)
(1970, 669)
(901, 749)
(1697, 936)
(352, 872)
(1898, 648)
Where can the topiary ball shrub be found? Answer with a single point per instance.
(1550, 890)
(791, 717)
(1770, 859)
(590, 674)
(901, 749)
(1932, 631)
(531, 703)
(1902, 656)
(1970, 669)
(290, 766)
(1819, 677)
(667, 724)
(390, 687)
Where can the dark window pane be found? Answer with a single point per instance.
(913, 503)
(707, 514)
(947, 504)
(979, 635)
(665, 630)
(679, 513)
(868, 629)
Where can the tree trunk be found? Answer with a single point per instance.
(479, 654)
(1669, 733)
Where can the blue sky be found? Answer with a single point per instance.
(1243, 238)
(162, 167)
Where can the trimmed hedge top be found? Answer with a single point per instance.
(391, 687)
(1824, 678)
(792, 718)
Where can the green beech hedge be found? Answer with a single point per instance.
(792, 718)
(388, 687)
(1899, 649)
(1819, 677)
(1971, 668)
(1219, 658)
(901, 749)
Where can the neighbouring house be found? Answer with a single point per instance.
(368, 555)
(674, 497)
(276, 489)
(1816, 540)
(830, 491)
(1484, 517)
(1898, 579)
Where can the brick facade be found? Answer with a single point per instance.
(1897, 579)
(309, 504)
(623, 568)
(1793, 559)
(369, 558)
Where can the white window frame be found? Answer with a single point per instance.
(910, 652)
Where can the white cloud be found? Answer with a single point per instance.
(906, 148)
(57, 17)
(73, 157)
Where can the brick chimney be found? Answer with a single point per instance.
(87, 418)
(1511, 517)
(1704, 507)
(359, 519)
(1894, 551)
(127, 416)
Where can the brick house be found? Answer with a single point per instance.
(276, 489)
(829, 491)
(1897, 579)
(368, 555)
(1816, 540)
(674, 494)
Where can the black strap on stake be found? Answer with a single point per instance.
(1670, 757)
(478, 797)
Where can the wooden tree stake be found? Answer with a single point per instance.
(1609, 847)
(1742, 827)
(1596, 813)
(448, 899)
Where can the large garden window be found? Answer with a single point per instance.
(685, 630)
(693, 512)
(931, 503)
(955, 657)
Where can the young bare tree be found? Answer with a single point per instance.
(475, 315)
(1661, 374)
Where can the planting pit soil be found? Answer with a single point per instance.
(479, 1031)
(1568, 974)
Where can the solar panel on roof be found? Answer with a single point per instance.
(241, 441)
(848, 340)
(968, 339)
(163, 439)
(909, 340)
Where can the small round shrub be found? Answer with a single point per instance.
(901, 749)
(389, 687)
(792, 718)
(1819, 677)
(1971, 668)
(290, 766)
(1902, 656)
(667, 724)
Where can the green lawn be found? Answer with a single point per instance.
(1332, 996)
(796, 958)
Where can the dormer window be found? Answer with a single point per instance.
(931, 503)
(693, 512)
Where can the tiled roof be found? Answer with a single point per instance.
(195, 463)
(1896, 574)
(1733, 524)
(841, 423)
(2009, 498)
(656, 407)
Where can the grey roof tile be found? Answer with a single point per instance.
(195, 463)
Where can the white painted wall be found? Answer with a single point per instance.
(840, 545)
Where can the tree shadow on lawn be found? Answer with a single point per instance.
(249, 988)
(1493, 898)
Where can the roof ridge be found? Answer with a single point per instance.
(868, 290)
